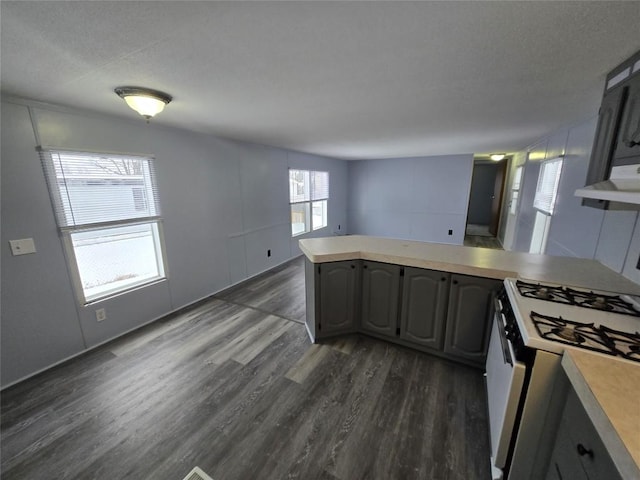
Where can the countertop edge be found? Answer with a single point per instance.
(617, 450)
(486, 272)
(475, 261)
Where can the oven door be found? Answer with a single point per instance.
(505, 381)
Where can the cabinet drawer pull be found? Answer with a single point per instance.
(443, 279)
(582, 451)
(353, 266)
(455, 282)
(558, 471)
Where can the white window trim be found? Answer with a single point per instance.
(310, 202)
(515, 189)
(67, 231)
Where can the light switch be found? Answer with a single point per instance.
(22, 246)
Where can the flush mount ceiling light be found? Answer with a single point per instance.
(496, 157)
(145, 101)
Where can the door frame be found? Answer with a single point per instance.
(498, 195)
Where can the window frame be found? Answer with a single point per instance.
(309, 202)
(154, 221)
(515, 189)
(542, 193)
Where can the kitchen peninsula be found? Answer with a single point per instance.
(347, 276)
(445, 299)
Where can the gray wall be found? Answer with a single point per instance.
(411, 198)
(482, 188)
(612, 237)
(223, 203)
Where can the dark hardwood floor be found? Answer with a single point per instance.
(234, 386)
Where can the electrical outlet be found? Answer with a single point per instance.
(450, 232)
(338, 227)
(269, 253)
(101, 314)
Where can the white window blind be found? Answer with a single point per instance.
(299, 186)
(89, 190)
(108, 211)
(547, 188)
(308, 195)
(517, 178)
(319, 185)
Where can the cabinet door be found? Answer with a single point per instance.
(627, 150)
(380, 291)
(339, 287)
(469, 317)
(604, 141)
(564, 465)
(424, 306)
(586, 447)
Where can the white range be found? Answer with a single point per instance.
(534, 324)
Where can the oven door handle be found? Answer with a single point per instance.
(502, 334)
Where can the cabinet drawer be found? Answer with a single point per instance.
(564, 464)
(586, 443)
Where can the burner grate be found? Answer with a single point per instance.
(569, 296)
(544, 292)
(586, 335)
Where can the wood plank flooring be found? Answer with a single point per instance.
(482, 241)
(234, 386)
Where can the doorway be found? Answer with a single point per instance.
(485, 203)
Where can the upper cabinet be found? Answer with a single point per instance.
(627, 148)
(604, 141)
(617, 138)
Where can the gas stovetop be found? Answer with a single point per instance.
(603, 301)
(555, 317)
(587, 335)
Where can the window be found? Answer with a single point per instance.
(544, 202)
(547, 188)
(515, 191)
(108, 212)
(308, 195)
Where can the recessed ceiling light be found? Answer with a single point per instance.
(145, 101)
(496, 157)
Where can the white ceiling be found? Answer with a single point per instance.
(344, 79)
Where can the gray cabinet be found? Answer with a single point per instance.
(445, 314)
(380, 293)
(627, 149)
(604, 142)
(339, 297)
(469, 317)
(578, 452)
(617, 138)
(424, 306)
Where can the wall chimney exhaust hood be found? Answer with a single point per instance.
(623, 186)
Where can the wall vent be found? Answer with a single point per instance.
(197, 474)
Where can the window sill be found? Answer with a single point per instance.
(112, 295)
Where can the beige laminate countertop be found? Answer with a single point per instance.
(482, 262)
(609, 390)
